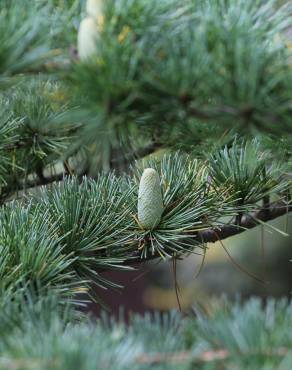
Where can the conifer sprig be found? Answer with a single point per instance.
(247, 171)
(88, 227)
(91, 216)
(31, 252)
(190, 206)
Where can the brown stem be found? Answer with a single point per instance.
(39, 181)
(248, 222)
(212, 235)
(266, 203)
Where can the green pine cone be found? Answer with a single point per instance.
(150, 203)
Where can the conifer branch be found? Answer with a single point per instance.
(247, 222)
(212, 235)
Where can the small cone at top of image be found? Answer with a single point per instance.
(89, 30)
(94, 8)
(87, 37)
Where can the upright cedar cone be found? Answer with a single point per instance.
(89, 29)
(150, 203)
(94, 8)
(87, 38)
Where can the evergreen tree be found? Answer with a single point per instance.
(132, 130)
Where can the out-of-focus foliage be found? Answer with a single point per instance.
(246, 337)
(159, 71)
(159, 65)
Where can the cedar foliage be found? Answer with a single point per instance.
(207, 83)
